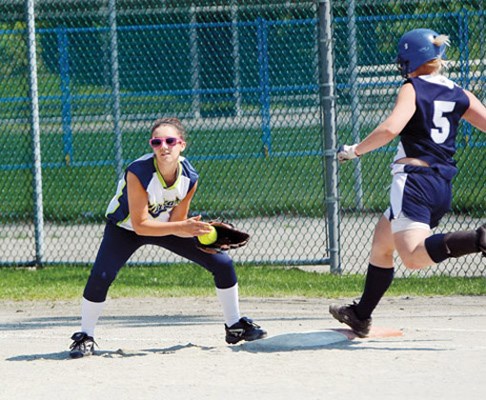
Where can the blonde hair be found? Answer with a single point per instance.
(441, 40)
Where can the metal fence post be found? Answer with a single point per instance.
(195, 65)
(35, 131)
(328, 120)
(263, 63)
(465, 80)
(235, 43)
(115, 88)
(63, 45)
(355, 105)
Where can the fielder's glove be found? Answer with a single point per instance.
(346, 153)
(228, 238)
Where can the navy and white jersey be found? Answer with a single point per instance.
(430, 135)
(161, 198)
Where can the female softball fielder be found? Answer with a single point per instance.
(425, 116)
(151, 206)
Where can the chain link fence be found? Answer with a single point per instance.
(244, 78)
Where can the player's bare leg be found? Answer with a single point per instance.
(410, 245)
(383, 246)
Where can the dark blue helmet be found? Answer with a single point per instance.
(416, 48)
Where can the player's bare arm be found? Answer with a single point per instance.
(394, 124)
(389, 129)
(476, 113)
(138, 206)
(188, 227)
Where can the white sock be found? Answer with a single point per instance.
(90, 312)
(230, 303)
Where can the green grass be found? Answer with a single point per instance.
(253, 185)
(188, 280)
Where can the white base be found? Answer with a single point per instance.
(295, 341)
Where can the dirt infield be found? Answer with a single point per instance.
(173, 348)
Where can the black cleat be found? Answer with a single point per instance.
(244, 329)
(481, 231)
(82, 346)
(347, 315)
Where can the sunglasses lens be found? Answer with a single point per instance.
(155, 142)
(171, 141)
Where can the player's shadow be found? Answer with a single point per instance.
(64, 355)
(173, 349)
(120, 353)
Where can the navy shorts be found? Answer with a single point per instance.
(420, 193)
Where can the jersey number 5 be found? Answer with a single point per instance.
(442, 128)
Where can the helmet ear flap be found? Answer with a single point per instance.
(403, 68)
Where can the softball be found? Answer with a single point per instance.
(208, 238)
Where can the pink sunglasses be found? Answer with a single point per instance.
(169, 141)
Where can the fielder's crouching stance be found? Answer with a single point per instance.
(151, 206)
(426, 116)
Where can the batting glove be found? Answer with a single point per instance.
(346, 152)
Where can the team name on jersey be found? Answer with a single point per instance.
(156, 209)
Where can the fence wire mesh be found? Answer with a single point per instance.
(244, 78)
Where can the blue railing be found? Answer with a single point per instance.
(266, 86)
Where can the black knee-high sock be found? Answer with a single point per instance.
(378, 280)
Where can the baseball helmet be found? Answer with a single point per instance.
(416, 48)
